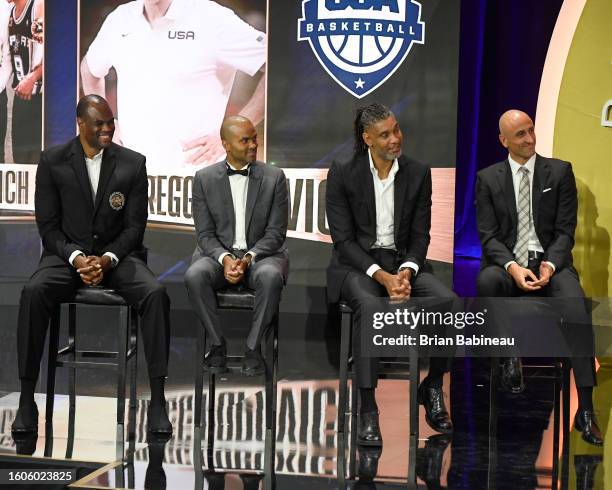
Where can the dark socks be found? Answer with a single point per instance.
(368, 400)
(585, 398)
(158, 397)
(26, 398)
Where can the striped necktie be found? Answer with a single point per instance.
(524, 217)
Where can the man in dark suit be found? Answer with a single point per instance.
(526, 208)
(379, 213)
(240, 209)
(91, 212)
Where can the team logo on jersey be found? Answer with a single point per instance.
(361, 43)
(181, 35)
(116, 201)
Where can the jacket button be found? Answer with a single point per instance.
(95, 237)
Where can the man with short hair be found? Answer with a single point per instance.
(527, 210)
(379, 212)
(240, 209)
(91, 212)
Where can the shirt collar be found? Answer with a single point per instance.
(529, 165)
(96, 158)
(374, 170)
(246, 167)
(174, 11)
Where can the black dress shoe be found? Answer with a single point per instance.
(158, 423)
(253, 363)
(432, 399)
(25, 445)
(585, 422)
(429, 459)
(368, 462)
(512, 375)
(216, 359)
(369, 430)
(26, 422)
(586, 466)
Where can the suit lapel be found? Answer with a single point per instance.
(507, 186)
(106, 171)
(365, 182)
(400, 187)
(252, 192)
(541, 175)
(77, 161)
(226, 192)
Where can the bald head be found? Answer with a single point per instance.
(96, 124)
(517, 134)
(233, 123)
(239, 139)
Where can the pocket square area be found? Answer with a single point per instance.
(546, 190)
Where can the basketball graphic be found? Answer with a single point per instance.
(361, 43)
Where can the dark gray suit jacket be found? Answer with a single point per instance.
(266, 211)
(555, 205)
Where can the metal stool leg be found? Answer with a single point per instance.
(345, 339)
(124, 327)
(71, 379)
(557, 386)
(566, 422)
(413, 359)
(271, 363)
(50, 392)
(197, 409)
(493, 387)
(210, 400)
(133, 349)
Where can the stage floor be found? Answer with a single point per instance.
(306, 440)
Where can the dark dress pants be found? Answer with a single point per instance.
(359, 287)
(131, 279)
(494, 281)
(266, 276)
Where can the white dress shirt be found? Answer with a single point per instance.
(533, 244)
(239, 185)
(93, 171)
(384, 196)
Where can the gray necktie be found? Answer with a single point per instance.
(524, 216)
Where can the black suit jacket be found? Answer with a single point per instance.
(555, 205)
(68, 219)
(351, 213)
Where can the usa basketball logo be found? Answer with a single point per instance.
(361, 43)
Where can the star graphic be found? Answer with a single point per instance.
(359, 83)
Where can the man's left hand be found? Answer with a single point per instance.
(103, 262)
(243, 264)
(205, 149)
(546, 272)
(24, 89)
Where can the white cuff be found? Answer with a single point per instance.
(252, 254)
(73, 256)
(113, 257)
(508, 264)
(222, 256)
(554, 268)
(372, 270)
(411, 265)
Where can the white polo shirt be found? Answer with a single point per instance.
(174, 80)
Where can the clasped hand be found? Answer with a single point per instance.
(92, 268)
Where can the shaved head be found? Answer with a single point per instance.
(239, 139)
(510, 119)
(517, 134)
(230, 124)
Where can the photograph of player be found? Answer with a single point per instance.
(192, 61)
(25, 39)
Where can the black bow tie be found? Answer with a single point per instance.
(244, 172)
